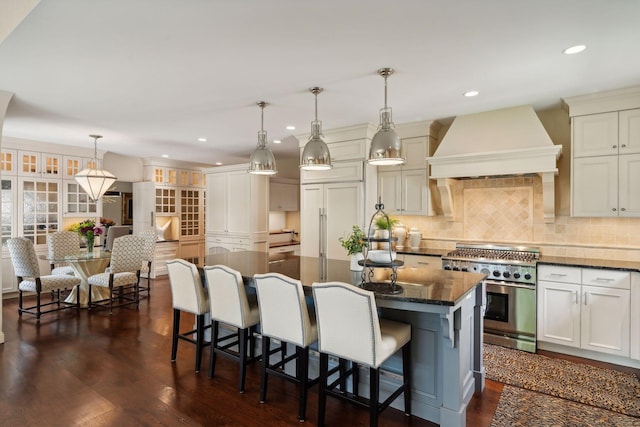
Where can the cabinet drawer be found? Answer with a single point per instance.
(560, 274)
(347, 150)
(606, 278)
(341, 172)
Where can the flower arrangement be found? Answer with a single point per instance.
(355, 242)
(88, 230)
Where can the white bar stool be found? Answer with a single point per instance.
(349, 328)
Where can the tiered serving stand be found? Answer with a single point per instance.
(368, 281)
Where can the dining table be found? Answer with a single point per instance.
(85, 264)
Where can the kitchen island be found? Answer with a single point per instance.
(443, 307)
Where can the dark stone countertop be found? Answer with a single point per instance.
(608, 264)
(420, 285)
(281, 244)
(421, 251)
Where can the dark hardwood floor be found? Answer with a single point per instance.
(100, 369)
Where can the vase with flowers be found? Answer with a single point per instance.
(88, 230)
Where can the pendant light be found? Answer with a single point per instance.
(315, 155)
(95, 182)
(386, 147)
(262, 161)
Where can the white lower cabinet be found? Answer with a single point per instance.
(165, 251)
(585, 308)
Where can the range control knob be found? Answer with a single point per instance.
(516, 275)
(496, 273)
(464, 269)
(527, 276)
(456, 268)
(506, 274)
(447, 267)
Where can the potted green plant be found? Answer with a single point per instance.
(354, 243)
(384, 224)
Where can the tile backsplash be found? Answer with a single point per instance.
(509, 211)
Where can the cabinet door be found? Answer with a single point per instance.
(77, 201)
(40, 204)
(559, 313)
(629, 185)
(605, 320)
(311, 204)
(216, 218)
(344, 208)
(8, 162)
(629, 131)
(595, 135)
(415, 151)
(595, 186)
(239, 202)
(390, 191)
(9, 279)
(415, 194)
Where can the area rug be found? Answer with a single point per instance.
(602, 388)
(520, 407)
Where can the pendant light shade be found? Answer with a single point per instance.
(95, 182)
(262, 161)
(315, 155)
(386, 147)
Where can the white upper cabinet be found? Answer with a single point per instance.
(605, 164)
(8, 162)
(284, 197)
(33, 163)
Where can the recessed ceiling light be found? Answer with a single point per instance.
(574, 49)
(218, 163)
(290, 127)
(276, 141)
(202, 139)
(165, 156)
(471, 93)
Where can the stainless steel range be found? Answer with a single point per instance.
(510, 315)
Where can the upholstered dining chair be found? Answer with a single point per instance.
(284, 316)
(59, 245)
(123, 275)
(150, 238)
(113, 233)
(27, 270)
(189, 295)
(349, 328)
(231, 306)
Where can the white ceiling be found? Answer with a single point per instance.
(154, 75)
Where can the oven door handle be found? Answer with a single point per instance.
(510, 284)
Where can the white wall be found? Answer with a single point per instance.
(128, 169)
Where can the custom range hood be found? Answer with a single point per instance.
(510, 141)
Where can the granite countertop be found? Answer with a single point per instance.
(281, 244)
(167, 240)
(609, 264)
(420, 285)
(421, 251)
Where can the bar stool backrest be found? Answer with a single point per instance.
(187, 291)
(348, 324)
(227, 296)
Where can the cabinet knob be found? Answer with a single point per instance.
(615, 146)
(614, 209)
(622, 209)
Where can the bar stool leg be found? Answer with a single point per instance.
(176, 332)
(374, 392)
(242, 349)
(322, 395)
(303, 362)
(406, 374)
(266, 343)
(199, 340)
(214, 345)
(355, 378)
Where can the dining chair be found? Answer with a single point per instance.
(284, 316)
(113, 233)
(349, 328)
(150, 238)
(189, 295)
(123, 274)
(27, 270)
(231, 305)
(59, 245)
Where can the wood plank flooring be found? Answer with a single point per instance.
(99, 369)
